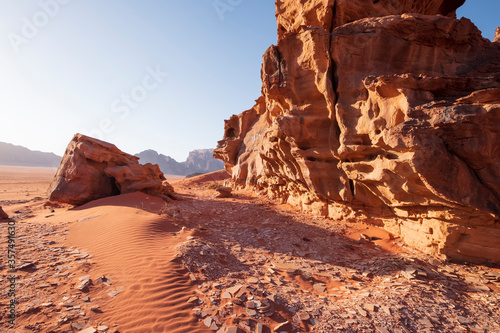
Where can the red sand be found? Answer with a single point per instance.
(133, 240)
(135, 248)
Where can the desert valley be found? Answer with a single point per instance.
(359, 194)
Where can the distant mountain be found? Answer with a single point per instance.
(198, 161)
(20, 156)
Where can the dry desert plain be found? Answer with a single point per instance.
(134, 263)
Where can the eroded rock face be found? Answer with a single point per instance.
(92, 169)
(387, 111)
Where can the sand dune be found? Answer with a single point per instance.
(124, 238)
(135, 247)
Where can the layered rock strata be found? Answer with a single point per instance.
(387, 111)
(92, 169)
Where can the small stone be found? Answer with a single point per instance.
(233, 290)
(319, 287)
(112, 293)
(224, 192)
(293, 271)
(464, 321)
(47, 304)
(104, 280)
(102, 328)
(226, 295)
(88, 330)
(364, 238)
(250, 305)
(25, 266)
(79, 325)
(362, 312)
(208, 321)
(426, 322)
(283, 327)
(304, 316)
(214, 326)
(480, 288)
(253, 280)
(237, 301)
(233, 329)
(193, 299)
(84, 284)
(96, 309)
(252, 312)
(369, 307)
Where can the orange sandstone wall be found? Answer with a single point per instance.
(387, 111)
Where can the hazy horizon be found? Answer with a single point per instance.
(159, 75)
(132, 153)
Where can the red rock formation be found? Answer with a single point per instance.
(387, 111)
(93, 169)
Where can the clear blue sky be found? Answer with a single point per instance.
(142, 74)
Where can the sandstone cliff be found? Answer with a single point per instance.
(387, 111)
(92, 169)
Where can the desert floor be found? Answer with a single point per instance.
(135, 263)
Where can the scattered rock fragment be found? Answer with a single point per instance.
(105, 280)
(253, 280)
(234, 329)
(84, 284)
(283, 327)
(319, 287)
(79, 325)
(370, 307)
(304, 316)
(223, 192)
(96, 309)
(193, 300)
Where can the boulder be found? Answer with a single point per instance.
(387, 112)
(92, 169)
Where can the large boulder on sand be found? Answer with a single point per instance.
(92, 169)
